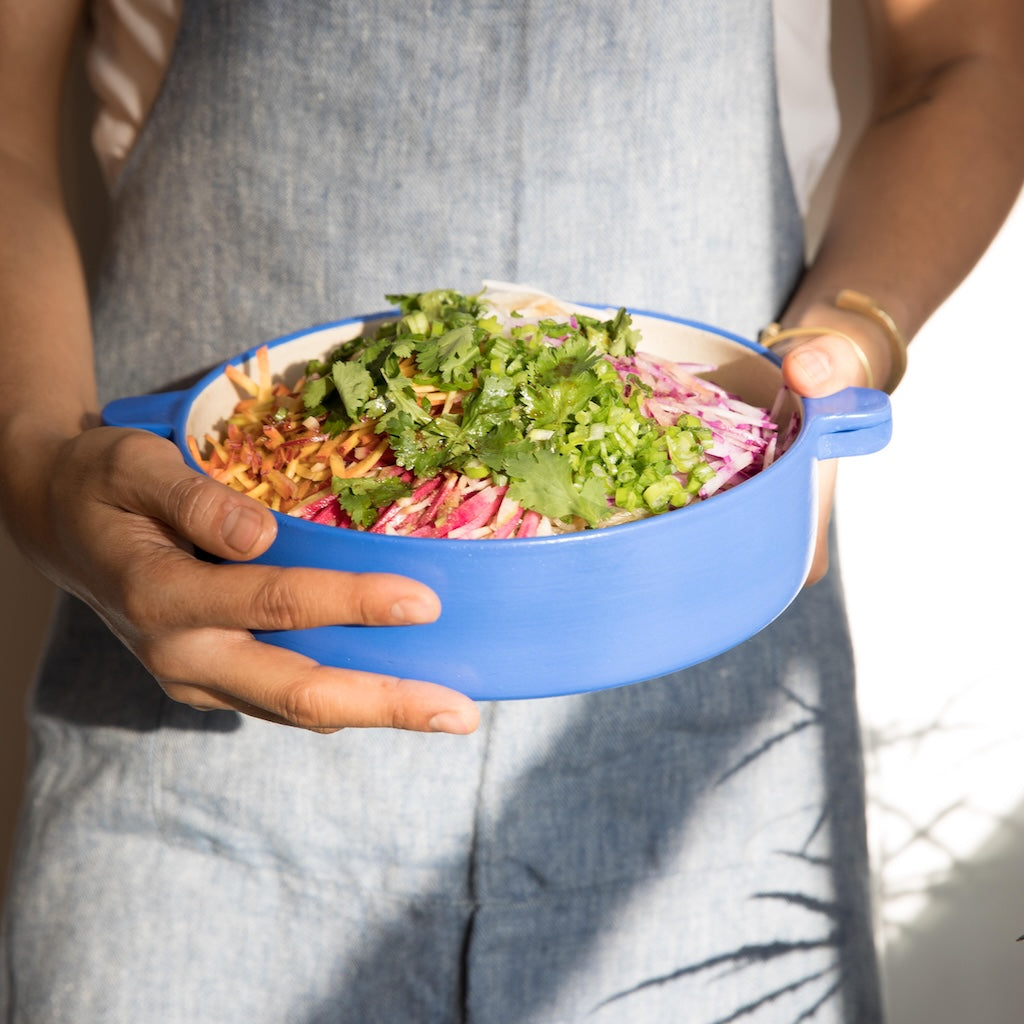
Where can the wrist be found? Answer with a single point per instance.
(865, 306)
(33, 449)
(873, 339)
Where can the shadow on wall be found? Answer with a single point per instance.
(959, 960)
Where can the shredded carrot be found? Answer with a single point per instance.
(284, 487)
(242, 380)
(274, 437)
(352, 440)
(326, 447)
(193, 447)
(364, 465)
(266, 386)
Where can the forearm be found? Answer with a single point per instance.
(47, 389)
(924, 192)
(45, 342)
(934, 174)
(45, 336)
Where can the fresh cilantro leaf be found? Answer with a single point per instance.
(577, 356)
(364, 497)
(423, 452)
(502, 443)
(450, 355)
(490, 404)
(315, 391)
(403, 403)
(354, 386)
(543, 480)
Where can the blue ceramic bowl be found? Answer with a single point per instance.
(584, 611)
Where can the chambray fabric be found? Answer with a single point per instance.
(685, 849)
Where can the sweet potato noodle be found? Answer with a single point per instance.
(466, 418)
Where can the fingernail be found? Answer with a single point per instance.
(241, 528)
(450, 722)
(814, 364)
(414, 610)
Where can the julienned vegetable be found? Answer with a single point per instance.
(461, 419)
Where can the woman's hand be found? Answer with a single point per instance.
(116, 526)
(819, 364)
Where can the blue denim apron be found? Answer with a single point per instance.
(687, 849)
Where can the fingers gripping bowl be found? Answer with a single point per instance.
(550, 615)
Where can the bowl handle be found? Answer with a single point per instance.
(854, 421)
(155, 413)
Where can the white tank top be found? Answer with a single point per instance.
(132, 42)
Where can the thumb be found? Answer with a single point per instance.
(199, 509)
(828, 362)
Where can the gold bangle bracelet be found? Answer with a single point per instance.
(774, 333)
(856, 302)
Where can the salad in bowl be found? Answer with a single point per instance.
(597, 495)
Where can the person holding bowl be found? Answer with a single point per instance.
(691, 847)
